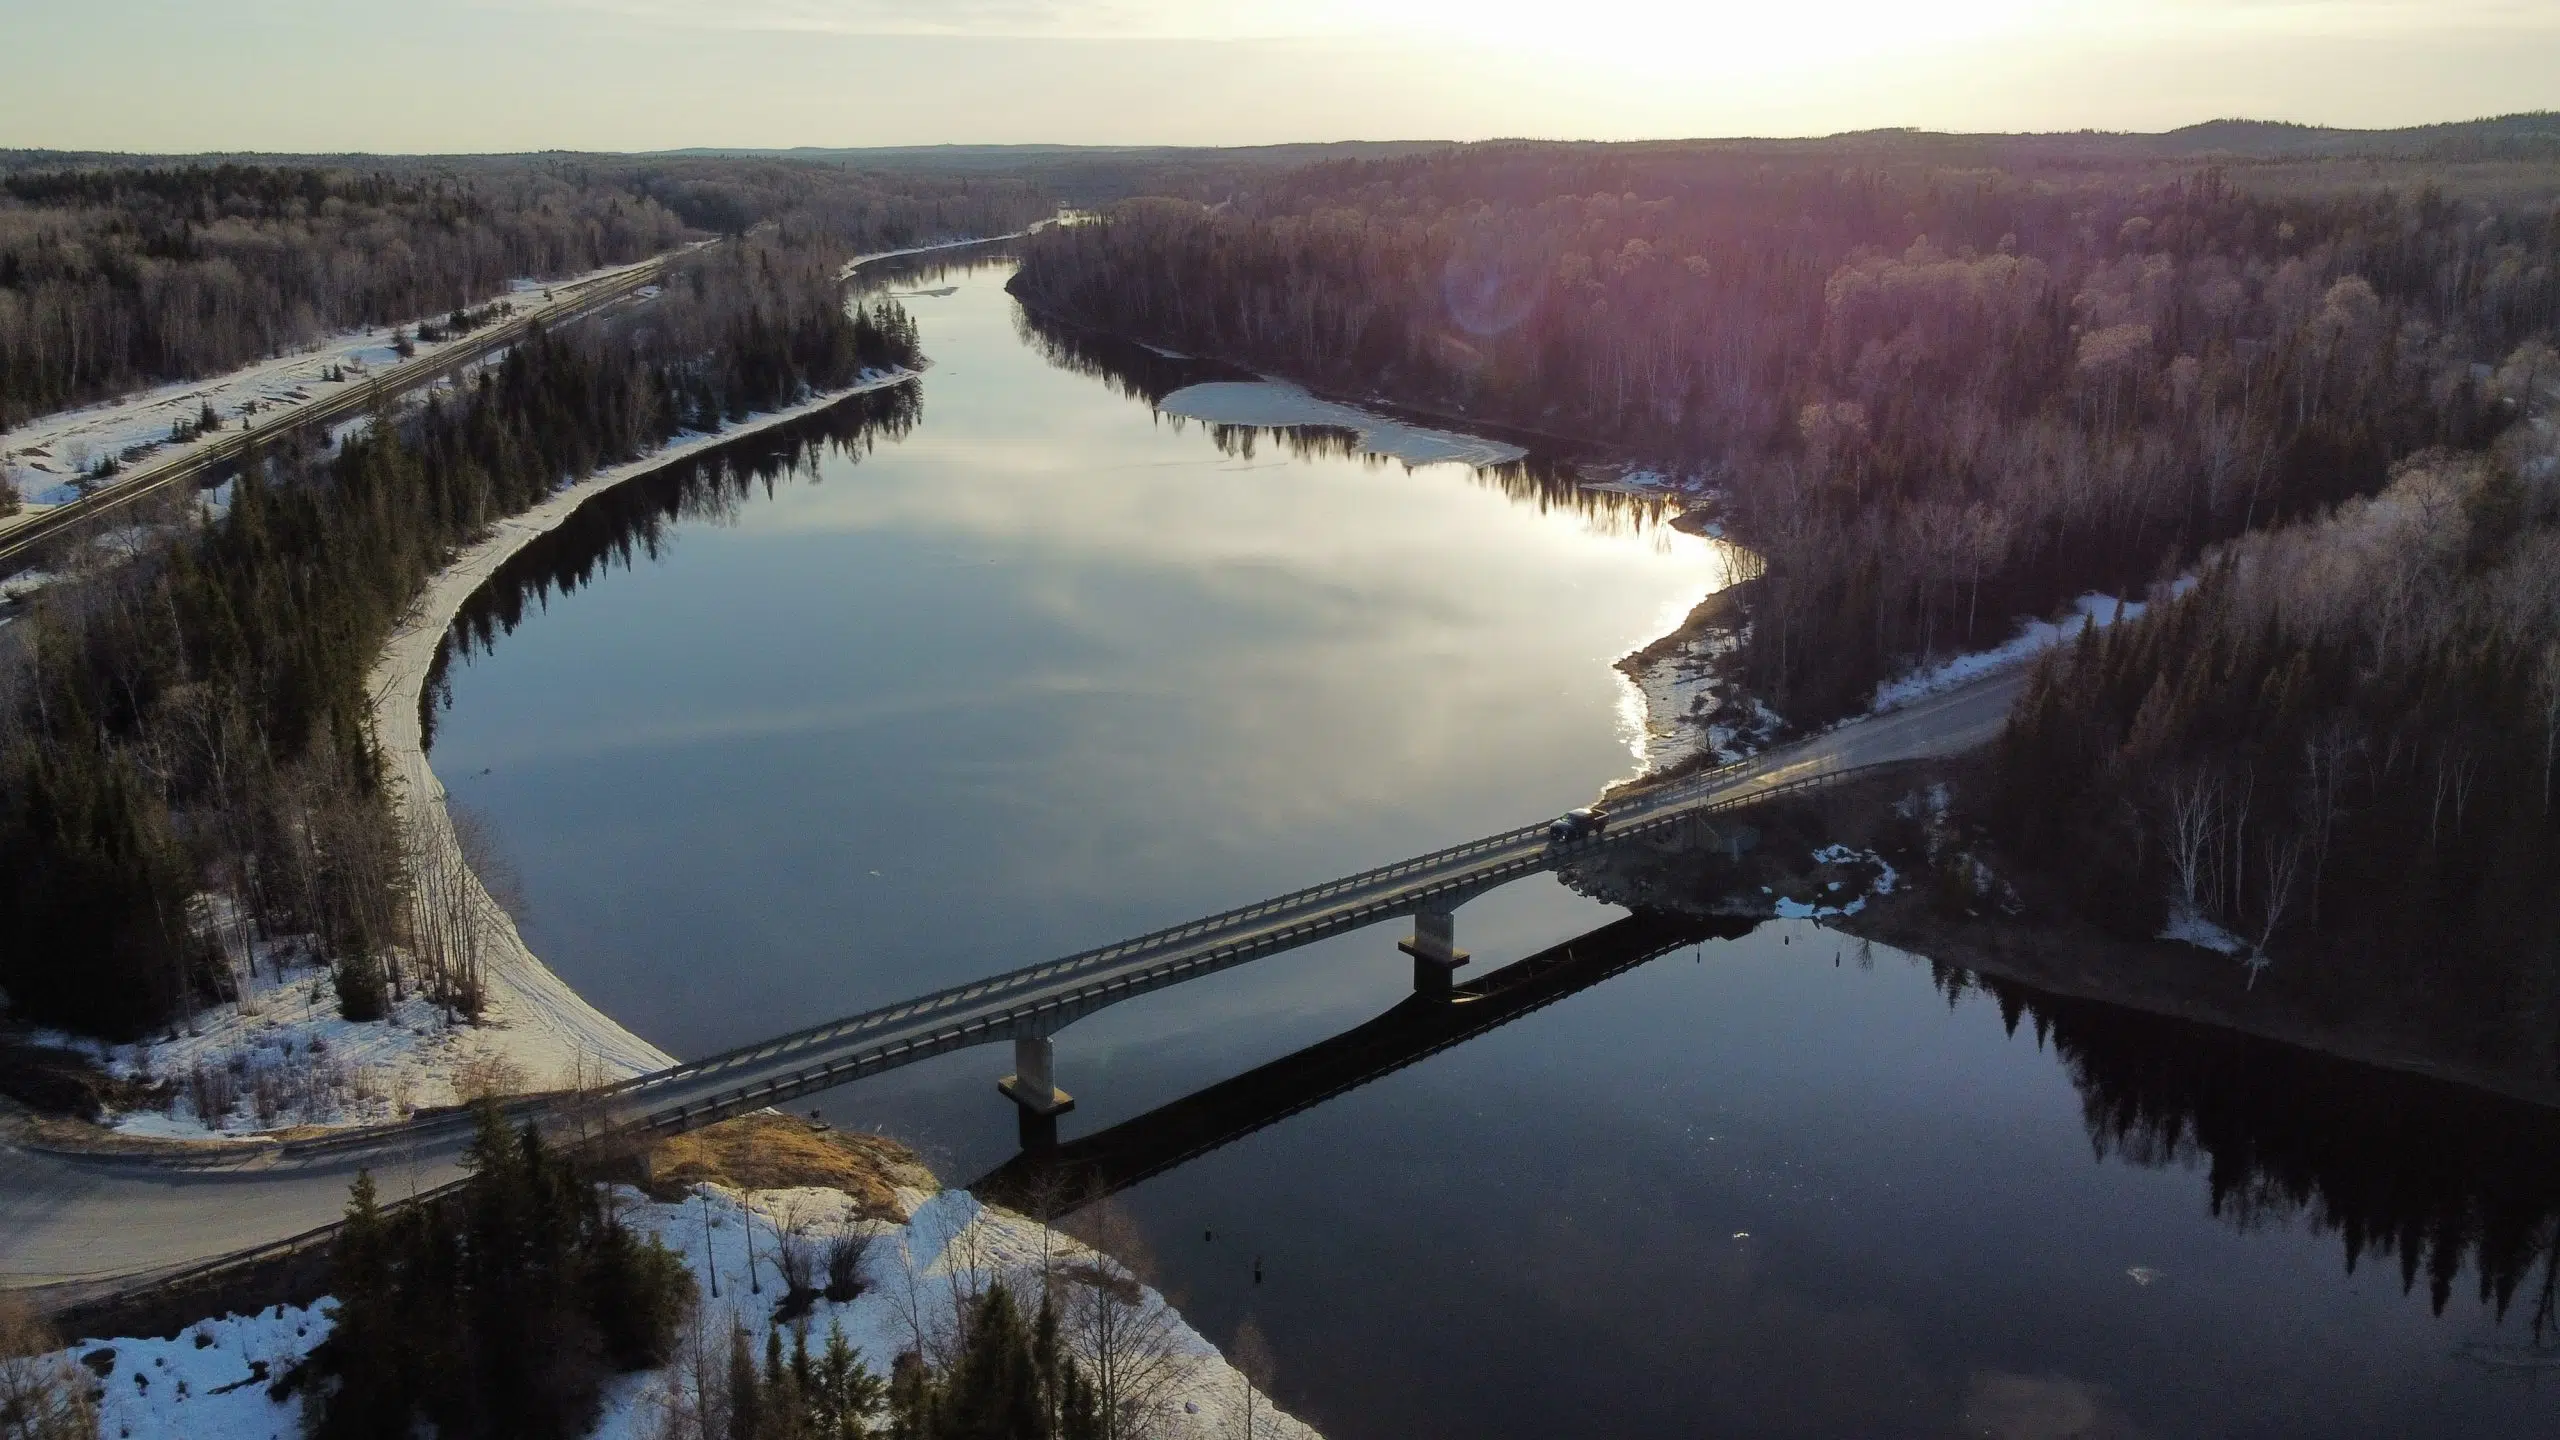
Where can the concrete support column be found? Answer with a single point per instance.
(1033, 1089)
(1436, 956)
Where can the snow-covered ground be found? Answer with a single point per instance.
(1641, 481)
(2190, 928)
(282, 1057)
(1837, 898)
(1277, 404)
(210, 1383)
(43, 458)
(2033, 639)
(1678, 705)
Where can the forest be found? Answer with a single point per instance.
(183, 743)
(116, 276)
(1933, 385)
(2339, 749)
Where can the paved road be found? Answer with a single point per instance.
(67, 1220)
(24, 539)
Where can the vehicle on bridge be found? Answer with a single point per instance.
(1579, 824)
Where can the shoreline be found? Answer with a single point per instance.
(539, 1019)
(2072, 960)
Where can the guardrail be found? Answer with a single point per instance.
(1059, 1008)
(1053, 1010)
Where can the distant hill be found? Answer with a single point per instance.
(2533, 135)
(1100, 173)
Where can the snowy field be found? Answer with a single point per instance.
(1276, 404)
(210, 1383)
(42, 458)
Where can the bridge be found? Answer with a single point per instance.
(1030, 1005)
(80, 1227)
(1051, 1183)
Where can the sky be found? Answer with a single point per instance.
(482, 75)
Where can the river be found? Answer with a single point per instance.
(982, 672)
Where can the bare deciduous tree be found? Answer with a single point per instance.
(42, 1395)
(2192, 801)
(1123, 1334)
(2279, 872)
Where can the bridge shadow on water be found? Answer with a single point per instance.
(2440, 1182)
(1092, 1168)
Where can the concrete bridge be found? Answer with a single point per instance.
(1030, 1005)
(1053, 1182)
(80, 1227)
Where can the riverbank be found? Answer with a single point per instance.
(1893, 860)
(2062, 955)
(279, 1062)
(537, 1021)
(742, 1206)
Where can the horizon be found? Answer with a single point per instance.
(1051, 146)
(648, 76)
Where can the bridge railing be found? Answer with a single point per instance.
(951, 998)
(1657, 815)
(1079, 962)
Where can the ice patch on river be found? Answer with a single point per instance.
(1277, 404)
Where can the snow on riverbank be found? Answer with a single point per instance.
(210, 1382)
(2187, 927)
(550, 1029)
(44, 457)
(281, 1058)
(1679, 706)
(1277, 404)
(2033, 639)
(1881, 880)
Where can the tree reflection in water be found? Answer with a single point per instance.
(635, 520)
(2398, 1166)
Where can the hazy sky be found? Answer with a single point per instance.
(183, 75)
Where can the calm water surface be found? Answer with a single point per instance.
(988, 671)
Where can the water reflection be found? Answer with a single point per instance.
(1543, 479)
(2400, 1167)
(2438, 1178)
(637, 519)
(1041, 671)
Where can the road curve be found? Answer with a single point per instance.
(90, 1224)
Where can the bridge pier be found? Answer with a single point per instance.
(1436, 956)
(1033, 1089)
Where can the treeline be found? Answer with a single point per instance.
(497, 1313)
(194, 721)
(1933, 395)
(2340, 746)
(116, 277)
